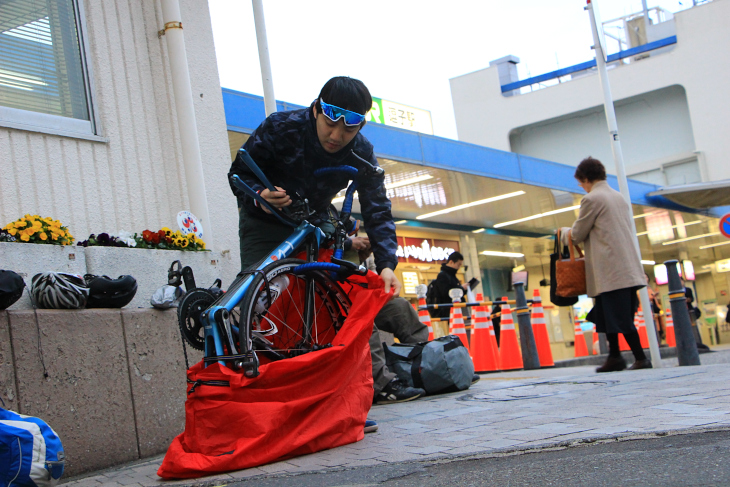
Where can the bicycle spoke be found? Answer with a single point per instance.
(283, 323)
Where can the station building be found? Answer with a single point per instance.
(97, 142)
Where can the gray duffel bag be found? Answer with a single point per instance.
(439, 366)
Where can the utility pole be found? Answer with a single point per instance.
(600, 48)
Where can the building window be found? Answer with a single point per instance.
(44, 83)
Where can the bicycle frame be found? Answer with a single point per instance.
(221, 309)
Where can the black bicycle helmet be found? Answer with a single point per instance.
(11, 288)
(105, 292)
(58, 290)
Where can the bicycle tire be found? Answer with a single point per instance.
(287, 312)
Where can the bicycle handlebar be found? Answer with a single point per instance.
(349, 170)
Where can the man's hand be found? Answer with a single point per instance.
(388, 277)
(360, 243)
(277, 199)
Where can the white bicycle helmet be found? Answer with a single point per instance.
(58, 290)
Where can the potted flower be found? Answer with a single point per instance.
(115, 255)
(55, 252)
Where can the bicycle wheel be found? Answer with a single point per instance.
(281, 327)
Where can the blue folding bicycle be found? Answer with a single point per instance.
(286, 306)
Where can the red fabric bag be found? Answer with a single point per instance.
(296, 406)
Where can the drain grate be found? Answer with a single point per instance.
(535, 390)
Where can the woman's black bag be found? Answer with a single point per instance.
(554, 257)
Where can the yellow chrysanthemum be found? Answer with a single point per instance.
(54, 236)
(43, 236)
(24, 237)
(37, 224)
(12, 231)
(30, 231)
(20, 224)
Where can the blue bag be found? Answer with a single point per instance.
(30, 452)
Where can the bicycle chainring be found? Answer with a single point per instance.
(191, 307)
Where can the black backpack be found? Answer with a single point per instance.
(431, 298)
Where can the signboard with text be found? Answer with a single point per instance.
(425, 250)
(396, 115)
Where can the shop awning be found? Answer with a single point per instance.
(697, 195)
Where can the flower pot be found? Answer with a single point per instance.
(149, 267)
(29, 259)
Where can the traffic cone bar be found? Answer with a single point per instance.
(467, 305)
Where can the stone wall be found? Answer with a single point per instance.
(110, 382)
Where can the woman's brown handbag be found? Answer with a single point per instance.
(570, 274)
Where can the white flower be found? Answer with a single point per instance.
(127, 238)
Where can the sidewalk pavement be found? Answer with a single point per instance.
(505, 412)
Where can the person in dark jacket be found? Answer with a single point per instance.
(289, 147)
(446, 281)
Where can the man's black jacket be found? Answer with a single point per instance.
(444, 282)
(286, 148)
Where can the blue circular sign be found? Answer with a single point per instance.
(725, 225)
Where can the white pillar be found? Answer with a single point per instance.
(186, 115)
(621, 175)
(264, 60)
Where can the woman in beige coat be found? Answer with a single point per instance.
(613, 268)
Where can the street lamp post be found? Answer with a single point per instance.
(264, 60)
(620, 169)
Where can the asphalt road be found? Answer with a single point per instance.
(676, 460)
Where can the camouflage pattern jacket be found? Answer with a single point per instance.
(286, 148)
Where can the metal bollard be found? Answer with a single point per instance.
(530, 359)
(602, 344)
(686, 345)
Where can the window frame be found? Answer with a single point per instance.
(16, 118)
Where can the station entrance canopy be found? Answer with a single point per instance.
(511, 204)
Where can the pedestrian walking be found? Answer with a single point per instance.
(613, 269)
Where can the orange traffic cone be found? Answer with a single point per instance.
(456, 326)
(539, 330)
(481, 347)
(623, 345)
(425, 318)
(641, 328)
(671, 340)
(492, 336)
(473, 314)
(510, 356)
(581, 350)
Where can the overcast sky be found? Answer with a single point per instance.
(403, 50)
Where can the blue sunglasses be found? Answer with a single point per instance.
(335, 113)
